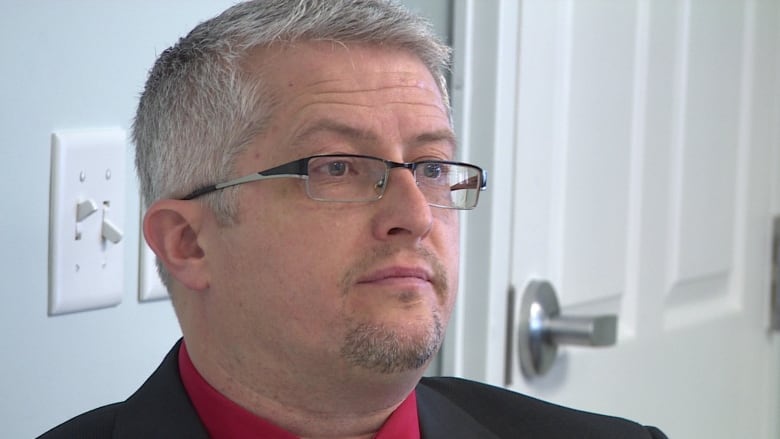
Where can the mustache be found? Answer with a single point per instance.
(379, 254)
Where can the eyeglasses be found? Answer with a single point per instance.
(358, 178)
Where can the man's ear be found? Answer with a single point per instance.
(171, 228)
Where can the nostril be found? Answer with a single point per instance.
(396, 231)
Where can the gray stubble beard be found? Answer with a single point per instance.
(380, 348)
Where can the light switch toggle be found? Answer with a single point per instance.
(85, 209)
(109, 230)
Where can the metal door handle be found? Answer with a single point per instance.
(543, 329)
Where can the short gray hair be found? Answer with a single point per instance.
(199, 108)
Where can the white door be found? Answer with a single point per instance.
(634, 153)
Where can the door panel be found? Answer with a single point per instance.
(589, 218)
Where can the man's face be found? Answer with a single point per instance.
(343, 287)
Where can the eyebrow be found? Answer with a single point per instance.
(443, 135)
(333, 126)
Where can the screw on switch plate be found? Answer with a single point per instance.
(86, 267)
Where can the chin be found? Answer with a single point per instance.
(389, 348)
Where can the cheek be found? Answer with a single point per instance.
(299, 263)
(450, 251)
(281, 291)
(448, 227)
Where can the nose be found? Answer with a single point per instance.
(403, 211)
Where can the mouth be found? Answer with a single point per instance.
(397, 274)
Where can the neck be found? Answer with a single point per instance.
(328, 403)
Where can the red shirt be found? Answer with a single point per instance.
(224, 419)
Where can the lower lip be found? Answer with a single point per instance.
(406, 290)
(397, 282)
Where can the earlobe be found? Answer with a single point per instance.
(171, 228)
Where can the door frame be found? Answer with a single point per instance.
(484, 90)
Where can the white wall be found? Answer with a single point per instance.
(74, 64)
(66, 65)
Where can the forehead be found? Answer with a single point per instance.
(336, 95)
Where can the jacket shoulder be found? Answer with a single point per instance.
(511, 414)
(95, 424)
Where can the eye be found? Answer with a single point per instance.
(432, 170)
(337, 169)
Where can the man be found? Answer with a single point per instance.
(297, 159)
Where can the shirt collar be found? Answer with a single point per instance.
(224, 419)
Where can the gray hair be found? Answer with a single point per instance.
(199, 108)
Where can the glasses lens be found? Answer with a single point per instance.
(449, 185)
(345, 178)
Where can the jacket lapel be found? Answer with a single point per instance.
(160, 409)
(441, 419)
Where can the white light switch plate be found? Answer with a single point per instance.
(87, 211)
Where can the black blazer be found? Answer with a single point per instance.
(448, 408)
